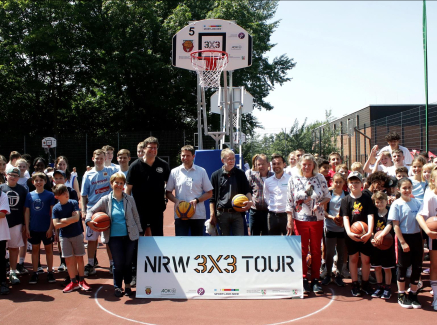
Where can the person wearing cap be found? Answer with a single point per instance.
(16, 195)
(307, 195)
(358, 207)
(391, 189)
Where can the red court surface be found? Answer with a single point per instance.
(45, 303)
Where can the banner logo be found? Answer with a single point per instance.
(148, 290)
(200, 291)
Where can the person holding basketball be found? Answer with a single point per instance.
(358, 207)
(307, 195)
(124, 232)
(382, 259)
(191, 184)
(227, 182)
(429, 209)
(403, 214)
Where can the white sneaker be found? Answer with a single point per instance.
(345, 272)
(13, 278)
(426, 271)
(434, 303)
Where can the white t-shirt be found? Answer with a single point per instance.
(391, 171)
(4, 227)
(429, 205)
(291, 170)
(408, 160)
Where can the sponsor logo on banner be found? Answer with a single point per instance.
(102, 190)
(241, 35)
(148, 290)
(226, 292)
(295, 292)
(159, 170)
(236, 47)
(188, 45)
(212, 27)
(168, 292)
(243, 58)
(200, 291)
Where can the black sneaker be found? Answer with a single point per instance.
(51, 277)
(372, 280)
(306, 286)
(404, 301)
(356, 289)
(414, 300)
(133, 283)
(339, 281)
(327, 280)
(34, 278)
(127, 291)
(387, 293)
(317, 288)
(21, 269)
(89, 270)
(4, 289)
(118, 292)
(378, 292)
(366, 287)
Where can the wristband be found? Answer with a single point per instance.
(197, 200)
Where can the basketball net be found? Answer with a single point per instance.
(209, 65)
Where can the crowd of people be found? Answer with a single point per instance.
(316, 198)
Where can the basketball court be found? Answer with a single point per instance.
(45, 303)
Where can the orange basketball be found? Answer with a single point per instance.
(387, 241)
(102, 221)
(431, 222)
(359, 228)
(237, 202)
(184, 210)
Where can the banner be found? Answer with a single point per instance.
(268, 267)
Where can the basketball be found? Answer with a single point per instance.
(359, 228)
(431, 222)
(184, 210)
(102, 221)
(387, 241)
(237, 202)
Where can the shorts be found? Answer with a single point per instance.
(432, 244)
(383, 258)
(334, 234)
(72, 246)
(354, 247)
(37, 236)
(16, 240)
(92, 235)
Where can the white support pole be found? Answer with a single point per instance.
(225, 109)
(199, 115)
(231, 111)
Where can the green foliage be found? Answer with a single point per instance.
(102, 66)
(299, 136)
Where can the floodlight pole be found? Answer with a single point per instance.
(199, 115)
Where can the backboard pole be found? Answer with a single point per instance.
(231, 111)
(199, 116)
(225, 108)
(205, 124)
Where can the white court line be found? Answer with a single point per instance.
(285, 322)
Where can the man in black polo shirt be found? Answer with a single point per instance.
(228, 181)
(146, 180)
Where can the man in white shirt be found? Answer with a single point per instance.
(191, 184)
(275, 193)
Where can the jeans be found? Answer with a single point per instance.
(330, 246)
(122, 250)
(230, 221)
(311, 233)
(185, 227)
(258, 222)
(277, 223)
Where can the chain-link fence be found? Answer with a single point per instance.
(79, 149)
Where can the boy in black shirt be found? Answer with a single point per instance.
(358, 207)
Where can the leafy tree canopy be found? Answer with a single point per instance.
(102, 66)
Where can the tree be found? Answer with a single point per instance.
(299, 136)
(102, 66)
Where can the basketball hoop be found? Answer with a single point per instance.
(209, 65)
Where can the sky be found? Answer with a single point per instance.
(350, 54)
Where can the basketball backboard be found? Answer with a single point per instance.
(240, 97)
(213, 34)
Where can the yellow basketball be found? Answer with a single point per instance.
(237, 202)
(185, 210)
